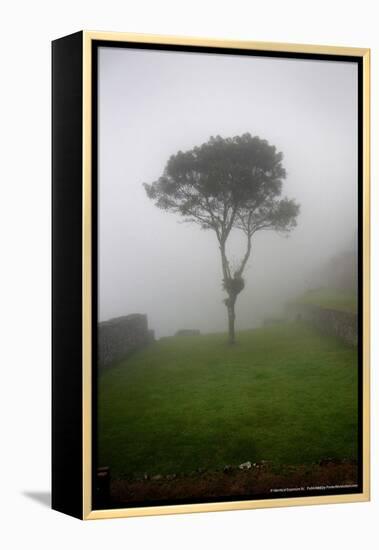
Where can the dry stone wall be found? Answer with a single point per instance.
(119, 337)
(342, 324)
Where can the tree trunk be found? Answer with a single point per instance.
(231, 319)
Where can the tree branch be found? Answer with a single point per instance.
(224, 262)
(238, 272)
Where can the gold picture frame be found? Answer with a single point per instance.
(84, 42)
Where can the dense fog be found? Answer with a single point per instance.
(153, 104)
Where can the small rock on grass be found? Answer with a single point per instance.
(245, 465)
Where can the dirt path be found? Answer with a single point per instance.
(262, 480)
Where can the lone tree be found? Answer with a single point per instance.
(225, 184)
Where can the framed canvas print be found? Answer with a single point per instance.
(210, 275)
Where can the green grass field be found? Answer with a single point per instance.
(284, 394)
(330, 299)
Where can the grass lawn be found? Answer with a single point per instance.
(330, 299)
(284, 394)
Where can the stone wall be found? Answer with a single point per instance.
(342, 324)
(120, 336)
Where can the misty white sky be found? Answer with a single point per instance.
(154, 103)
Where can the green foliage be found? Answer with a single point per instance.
(225, 183)
(284, 393)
